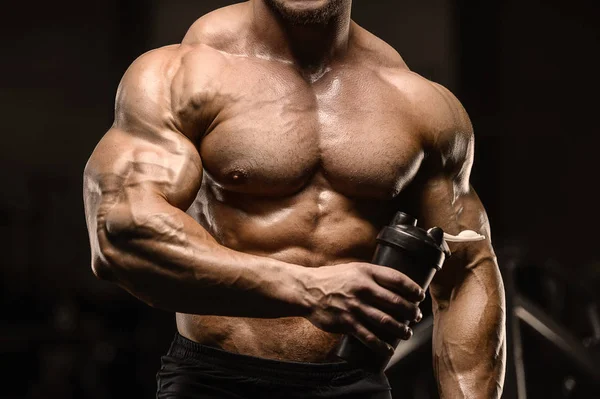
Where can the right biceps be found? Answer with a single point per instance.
(129, 176)
(164, 163)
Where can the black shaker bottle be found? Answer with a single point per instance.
(417, 253)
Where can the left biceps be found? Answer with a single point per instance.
(468, 293)
(456, 207)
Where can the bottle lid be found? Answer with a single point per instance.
(425, 246)
(428, 246)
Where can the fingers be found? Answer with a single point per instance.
(394, 304)
(398, 282)
(370, 340)
(390, 328)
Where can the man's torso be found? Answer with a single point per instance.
(302, 169)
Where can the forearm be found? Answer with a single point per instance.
(469, 335)
(165, 258)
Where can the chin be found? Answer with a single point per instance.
(304, 5)
(306, 11)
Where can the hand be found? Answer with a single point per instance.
(373, 303)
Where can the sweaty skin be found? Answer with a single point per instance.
(248, 172)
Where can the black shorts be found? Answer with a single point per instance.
(191, 370)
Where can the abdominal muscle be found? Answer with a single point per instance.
(287, 338)
(340, 232)
(290, 338)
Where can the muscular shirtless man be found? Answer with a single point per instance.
(243, 183)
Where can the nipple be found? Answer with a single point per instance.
(237, 176)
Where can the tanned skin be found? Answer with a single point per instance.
(249, 170)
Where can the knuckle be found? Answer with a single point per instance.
(353, 305)
(397, 300)
(364, 268)
(356, 274)
(345, 317)
(400, 278)
(362, 289)
(386, 320)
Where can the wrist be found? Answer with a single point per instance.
(293, 289)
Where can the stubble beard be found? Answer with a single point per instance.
(317, 16)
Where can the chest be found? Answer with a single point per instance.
(275, 130)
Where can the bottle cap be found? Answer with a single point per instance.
(428, 246)
(403, 233)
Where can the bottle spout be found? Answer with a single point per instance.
(464, 236)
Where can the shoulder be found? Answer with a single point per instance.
(145, 85)
(151, 73)
(437, 107)
(439, 119)
(439, 114)
(434, 105)
(155, 84)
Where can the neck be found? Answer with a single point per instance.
(310, 45)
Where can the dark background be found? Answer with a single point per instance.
(525, 70)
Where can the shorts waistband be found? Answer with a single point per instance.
(183, 348)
